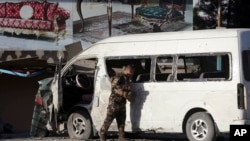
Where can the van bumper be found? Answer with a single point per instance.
(241, 122)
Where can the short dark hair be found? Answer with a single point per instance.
(129, 65)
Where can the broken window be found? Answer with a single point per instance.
(164, 69)
(78, 83)
(203, 67)
(142, 67)
(86, 66)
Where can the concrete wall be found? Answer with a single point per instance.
(17, 96)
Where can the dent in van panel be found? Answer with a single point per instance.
(105, 83)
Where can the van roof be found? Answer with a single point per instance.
(118, 45)
(211, 33)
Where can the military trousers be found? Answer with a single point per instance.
(115, 111)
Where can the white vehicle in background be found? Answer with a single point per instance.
(193, 82)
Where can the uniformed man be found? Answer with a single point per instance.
(121, 88)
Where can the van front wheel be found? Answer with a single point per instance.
(200, 127)
(79, 125)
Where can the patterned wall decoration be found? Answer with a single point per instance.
(50, 56)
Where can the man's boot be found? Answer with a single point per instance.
(121, 135)
(102, 136)
(121, 138)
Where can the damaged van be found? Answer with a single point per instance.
(192, 82)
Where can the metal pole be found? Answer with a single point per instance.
(219, 14)
(132, 8)
(109, 11)
(79, 11)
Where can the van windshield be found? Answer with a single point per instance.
(246, 64)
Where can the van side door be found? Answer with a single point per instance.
(101, 95)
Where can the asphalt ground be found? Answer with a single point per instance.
(110, 137)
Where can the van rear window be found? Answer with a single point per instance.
(246, 64)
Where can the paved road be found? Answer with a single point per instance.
(111, 137)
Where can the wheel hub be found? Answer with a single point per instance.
(78, 126)
(199, 129)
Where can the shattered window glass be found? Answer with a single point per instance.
(142, 68)
(164, 69)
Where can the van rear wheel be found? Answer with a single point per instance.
(200, 127)
(79, 125)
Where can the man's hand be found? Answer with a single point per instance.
(128, 97)
(129, 88)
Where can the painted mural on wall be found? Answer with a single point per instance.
(35, 24)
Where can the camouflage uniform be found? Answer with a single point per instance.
(117, 105)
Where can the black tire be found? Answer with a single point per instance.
(42, 133)
(79, 126)
(200, 127)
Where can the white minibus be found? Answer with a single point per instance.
(192, 82)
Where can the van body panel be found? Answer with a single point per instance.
(101, 93)
(173, 36)
(174, 44)
(244, 45)
(149, 108)
(164, 47)
(163, 106)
